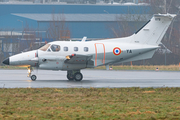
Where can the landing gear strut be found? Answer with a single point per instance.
(74, 75)
(33, 77)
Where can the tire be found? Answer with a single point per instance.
(78, 76)
(33, 77)
(70, 77)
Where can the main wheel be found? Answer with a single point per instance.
(78, 76)
(70, 77)
(33, 77)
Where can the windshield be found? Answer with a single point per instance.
(45, 47)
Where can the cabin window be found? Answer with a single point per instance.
(75, 48)
(45, 47)
(65, 48)
(86, 49)
(55, 48)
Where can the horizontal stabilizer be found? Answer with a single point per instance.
(170, 16)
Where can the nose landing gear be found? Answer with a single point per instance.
(33, 77)
(74, 75)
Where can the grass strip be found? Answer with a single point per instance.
(142, 67)
(90, 103)
(12, 67)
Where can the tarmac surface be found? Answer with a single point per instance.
(91, 78)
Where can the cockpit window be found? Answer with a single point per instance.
(49, 50)
(45, 47)
(55, 48)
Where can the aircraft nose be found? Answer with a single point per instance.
(6, 61)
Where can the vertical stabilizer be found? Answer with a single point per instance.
(153, 31)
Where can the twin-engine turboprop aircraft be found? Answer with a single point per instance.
(72, 56)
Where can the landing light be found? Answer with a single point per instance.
(29, 70)
(67, 57)
(23, 66)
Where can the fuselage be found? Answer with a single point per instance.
(103, 52)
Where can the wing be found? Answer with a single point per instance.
(78, 59)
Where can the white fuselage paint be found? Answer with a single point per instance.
(101, 51)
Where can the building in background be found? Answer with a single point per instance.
(89, 20)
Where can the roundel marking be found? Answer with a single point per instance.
(117, 51)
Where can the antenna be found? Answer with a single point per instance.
(165, 6)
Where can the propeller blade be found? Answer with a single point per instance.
(36, 60)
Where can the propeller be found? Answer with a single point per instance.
(37, 62)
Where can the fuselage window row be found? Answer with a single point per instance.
(66, 49)
(76, 49)
(56, 48)
(86, 49)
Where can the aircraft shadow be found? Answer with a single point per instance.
(82, 82)
(65, 81)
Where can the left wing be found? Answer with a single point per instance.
(78, 59)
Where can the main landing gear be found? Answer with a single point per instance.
(33, 77)
(74, 75)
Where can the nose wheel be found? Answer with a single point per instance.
(33, 77)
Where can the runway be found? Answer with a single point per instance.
(91, 78)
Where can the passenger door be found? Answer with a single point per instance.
(99, 54)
